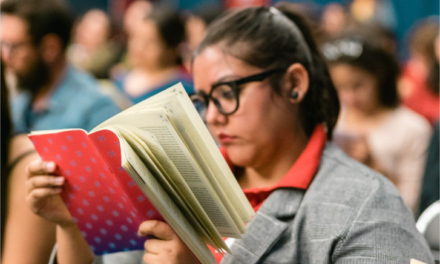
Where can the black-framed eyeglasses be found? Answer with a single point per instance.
(225, 95)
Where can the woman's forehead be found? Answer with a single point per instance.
(213, 65)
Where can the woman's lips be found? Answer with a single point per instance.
(225, 139)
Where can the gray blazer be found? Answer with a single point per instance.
(349, 214)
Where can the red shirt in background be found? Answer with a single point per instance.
(420, 99)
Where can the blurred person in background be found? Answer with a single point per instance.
(196, 24)
(419, 84)
(92, 49)
(373, 127)
(54, 94)
(334, 19)
(154, 53)
(21, 230)
(133, 17)
(135, 14)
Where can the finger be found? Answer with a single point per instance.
(44, 182)
(39, 167)
(38, 194)
(156, 228)
(150, 258)
(155, 246)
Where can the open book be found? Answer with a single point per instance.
(155, 160)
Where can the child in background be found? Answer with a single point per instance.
(373, 128)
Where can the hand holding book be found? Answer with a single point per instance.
(43, 192)
(43, 197)
(154, 161)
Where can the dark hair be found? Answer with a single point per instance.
(357, 52)
(169, 24)
(43, 17)
(277, 38)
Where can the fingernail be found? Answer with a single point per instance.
(50, 166)
(59, 180)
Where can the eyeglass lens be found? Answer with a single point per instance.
(223, 96)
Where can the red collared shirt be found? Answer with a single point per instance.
(299, 176)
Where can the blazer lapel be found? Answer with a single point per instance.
(266, 228)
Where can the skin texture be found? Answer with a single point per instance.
(357, 89)
(36, 67)
(275, 118)
(21, 58)
(280, 135)
(24, 229)
(153, 62)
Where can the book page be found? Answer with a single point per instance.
(185, 117)
(141, 141)
(156, 122)
(172, 106)
(157, 195)
(153, 148)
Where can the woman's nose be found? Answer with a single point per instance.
(213, 116)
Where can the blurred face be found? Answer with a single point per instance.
(357, 88)
(93, 30)
(252, 134)
(195, 29)
(145, 46)
(19, 54)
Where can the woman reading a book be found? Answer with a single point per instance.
(267, 97)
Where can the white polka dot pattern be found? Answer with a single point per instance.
(104, 201)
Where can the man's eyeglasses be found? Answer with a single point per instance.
(225, 95)
(11, 47)
(335, 50)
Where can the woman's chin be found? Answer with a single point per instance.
(239, 156)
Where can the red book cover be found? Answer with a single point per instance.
(105, 202)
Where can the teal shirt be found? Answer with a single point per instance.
(75, 103)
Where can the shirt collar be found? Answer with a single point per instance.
(303, 170)
(51, 99)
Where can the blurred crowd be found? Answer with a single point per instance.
(65, 72)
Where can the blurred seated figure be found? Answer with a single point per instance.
(195, 26)
(153, 51)
(134, 15)
(372, 127)
(20, 228)
(419, 84)
(334, 19)
(54, 94)
(92, 50)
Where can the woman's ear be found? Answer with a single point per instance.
(297, 82)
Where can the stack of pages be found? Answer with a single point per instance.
(155, 160)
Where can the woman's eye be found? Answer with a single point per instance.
(229, 95)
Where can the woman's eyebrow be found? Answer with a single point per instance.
(227, 78)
